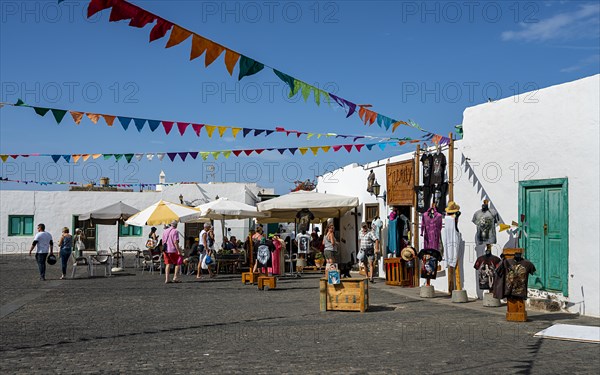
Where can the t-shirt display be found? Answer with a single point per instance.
(513, 276)
(304, 217)
(263, 253)
(423, 198)
(426, 161)
(438, 195)
(429, 263)
(303, 241)
(486, 267)
(432, 229)
(438, 168)
(486, 226)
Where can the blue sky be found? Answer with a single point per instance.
(425, 61)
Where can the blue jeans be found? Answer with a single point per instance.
(65, 254)
(41, 261)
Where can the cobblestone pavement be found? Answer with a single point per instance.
(133, 323)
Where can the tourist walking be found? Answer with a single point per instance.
(369, 245)
(78, 243)
(43, 242)
(172, 252)
(152, 242)
(329, 246)
(205, 250)
(66, 248)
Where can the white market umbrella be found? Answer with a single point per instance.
(163, 212)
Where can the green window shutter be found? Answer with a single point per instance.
(124, 231)
(28, 225)
(14, 226)
(137, 231)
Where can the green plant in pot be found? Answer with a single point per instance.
(319, 259)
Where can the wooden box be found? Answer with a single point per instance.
(515, 310)
(249, 277)
(396, 272)
(268, 282)
(352, 294)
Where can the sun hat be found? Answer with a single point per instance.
(452, 207)
(408, 254)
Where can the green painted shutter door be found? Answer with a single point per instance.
(556, 255)
(28, 225)
(535, 215)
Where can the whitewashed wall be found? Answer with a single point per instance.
(55, 209)
(513, 140)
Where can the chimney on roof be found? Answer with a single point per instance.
(104, 181)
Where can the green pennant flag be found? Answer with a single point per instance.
(226, 154)
(58, 114)
(317, 94)
(128, 157)
(118, 156)
(249, 67)
(305, 90)
(41, 111)
(216, 154)
(285, 78)
(19, 103)
(204, 155)
(107, 156)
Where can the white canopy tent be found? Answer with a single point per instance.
(323, 206)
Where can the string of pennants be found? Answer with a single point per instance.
(153, 125)
(227, 153)
(72, 183)
(138, 17)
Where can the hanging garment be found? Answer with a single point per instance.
(486, 226)
(512, 279)
(432, 229)
(429, 262)
(423, 198)
(438, 168)
(486, 269)
(451, 240)
(426, 161)
(438, 195)
(405, 226)
(392, 244)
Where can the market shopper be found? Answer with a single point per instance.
(369, 244)
(43, 242)
(205, 250)
(66, 248)
(79, 243)
(172, 252)
(329, 245)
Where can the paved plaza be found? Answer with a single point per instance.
(133, 323)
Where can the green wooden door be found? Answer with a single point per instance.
(545, 205)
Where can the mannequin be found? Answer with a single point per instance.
(486, 220)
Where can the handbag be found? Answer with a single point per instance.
(361, 255)
(150, 244)
(207, 260)
(79, 245)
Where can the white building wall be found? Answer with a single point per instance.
(55, 209)
(513, 140)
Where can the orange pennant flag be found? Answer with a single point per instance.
(85, 157)
(109, 119)
(210, 130)
(178, 35)
(315, 150)
(94, 117)
(231, 58)
(213, 51)
(76, 158)
(222, 130)
(77, 116)
(235, 131)
(325, 148)
(96, 156)
(303, 150)
(199, 45)
(4, 157)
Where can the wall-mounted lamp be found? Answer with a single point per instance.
(376, 190)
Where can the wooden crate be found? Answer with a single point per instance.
(352, 294)
(249, 277)
(396, 272)
(515, 310)
(268, 282)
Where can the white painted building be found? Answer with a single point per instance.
(537, 158)
(56, 209)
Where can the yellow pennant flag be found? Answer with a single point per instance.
(216, 154)
(222, 130)
(4, 157)
(226, 154)
(199, 45)
(231, 58)
(85, 157)
(96, 156)
(109, 119)
(204, 155)
(235, 131)
(325, 148)
(303, 150)
(504, 227)
(213, 51)
(310, 135)
(315, 150)
(178, 35)
(94, 117)
(77, 116)
(319, 135)
(210, 129)
(75, 158)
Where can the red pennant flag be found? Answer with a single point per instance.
(160, 29)
(197, 128)
(336, 148)
(98, 5)
(279, 129)
(348, 147)
(122, 11)
(142, 18)
(182, 126)
(259, 151)
(358, 147)
(237, 152)
(168, 125)
(248, 152)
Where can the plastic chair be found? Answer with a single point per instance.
(103, 258)
(150, 261)
(80, 261)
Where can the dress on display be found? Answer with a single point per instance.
(451, 240)
(432, 228)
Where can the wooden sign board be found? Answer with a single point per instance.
(400, 183)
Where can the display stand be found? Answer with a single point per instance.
(427, 291)
(490, 301)
(350, 294)
(267, 282)
(250, 277)
(515, 307)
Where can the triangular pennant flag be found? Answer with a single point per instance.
(305, 89)
(58, 114)
(216, 154)
(128, 157)
(210, 129)
(503, 227)
(109, 119)
(303, 150)
(139, 123)
(248, 152)
(194, 155)
(139, 157)
(168, 125)
(269, 132)
(96, 156)
(178, 35)
(226, 154)
(285, 78)
(19, 103)
(348, 147)
(235, 131)
(204, 155)
(56, 158)
(382, 146)
(182, 155)
(246, 131)
(351, 107)
(222, 130)
(336, 148)
(153, 124)
(149, 157)
(325, 148)
(41, 111)
(160, 155)
(315, 150)
(182, 126)
(396, 124)
(96, 6)
(118, 156)
(281, 150)
(249, 67)
(125, 121)
(197, 128)
(213, 51)
(76, 158)
(142, 18)
(237, 152)
(160, 29)
(358, 147)
(370, 146)
(293, 150)
(122, 11)
(172, 155)
(259, 150)
(310, 135)
(258, 132)
(94, 117)
(317, 95)
(85, 157)
(231, 58)
(199, 45)
(67, 158)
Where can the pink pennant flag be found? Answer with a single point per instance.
(197, 128)
(168, 125)
(182, 126)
